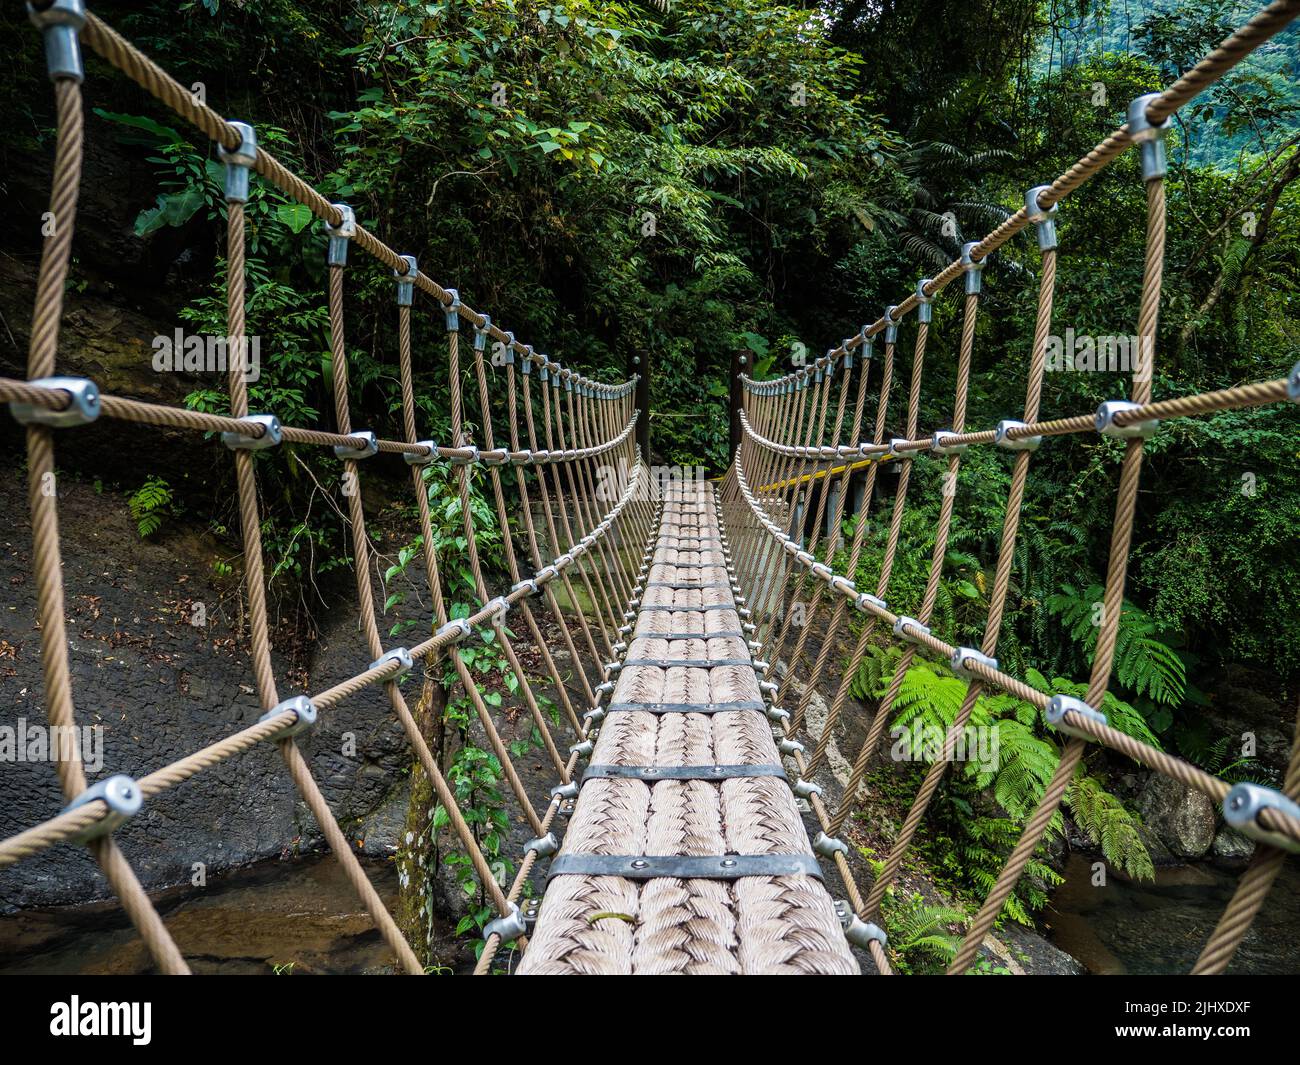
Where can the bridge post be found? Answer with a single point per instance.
(638, 362)
(738, 365)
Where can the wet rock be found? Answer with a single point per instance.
(1231, 849)
(1181, 819)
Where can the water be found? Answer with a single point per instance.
(301, 916)
(1161, 927)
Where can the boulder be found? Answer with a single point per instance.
(1231, 849)
(1182, 820)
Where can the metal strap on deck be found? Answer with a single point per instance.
(687, 587)
(692, 565)
(690, 663)
(651, 773)
(706, 606)
(687, 708)
(714, 867)
(689, 635)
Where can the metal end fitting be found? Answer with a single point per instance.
(605, 688)
(1023, 443)
(458, 628)
(565, 792)
(462, 459)
(123, 797)
(583, 749)
(924, 301)
(1151, 139)
(238, 161)
(481, 334)
(974, 268)
(530, 585)
(406, 281)
(1242, 806)
(1106, 421)
(962, 655)
(868, 344)
(858, 932)
(1044, 218)
(270, 437)
(509, 927)
(1059, 705)
(786, 746)
(399, 655)
(452, 311)
(829, 846)
(900, 629)
(341, 234)
(940, 445)
(897, 451)
(891, 325)
(777, 713)
(303, 707)
(366, 447)
(413, 459)
(82, 408)
(866, 601)
(594, 716)
(543, 846)
(60, 23)
(805, 789)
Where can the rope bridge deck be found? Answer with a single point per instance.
(684, 851)
(696, 774)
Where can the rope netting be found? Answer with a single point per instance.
(690, 699)
(570, 447)
(790, 439)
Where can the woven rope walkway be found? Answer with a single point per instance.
(756, 924)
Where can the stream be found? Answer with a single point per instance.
(296, 916)
(1160, 927)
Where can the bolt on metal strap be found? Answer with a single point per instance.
(123, 797)
(302, 707)
(82, 409)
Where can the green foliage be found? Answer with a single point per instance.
(150, 505)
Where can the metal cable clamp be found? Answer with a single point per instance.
(466, 455)
(82, 409)
(941, 443)
(829, 846)
(858, 932)
(924, 301)
(1242, 806)
(412, 459)
(484, 330)
(1106, 421)
(900, 629)
(367, 446)
(401, 656)
(805, 789)
(1023, 443)
(457, 628)
(238, 161)
(500, 607)
(60, 23)
(962, 655)
(1044, 218)
(123, 797)
(565, 792)
(341, 234)
(790, 747)
(1293, 384)
(1150, 138)
(583, 749)
(543, 846)
(509, 927)
(452, 311)
(302, 706)
(1060, 705)
(406, 281)
(891, 325)
(974, 268)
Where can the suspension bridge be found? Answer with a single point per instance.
(674, 840)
